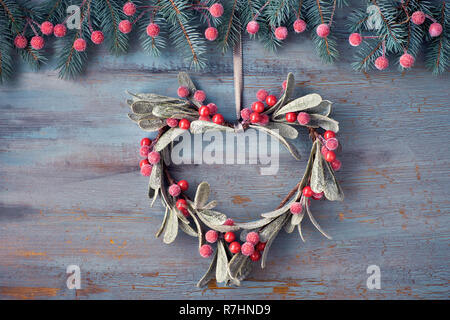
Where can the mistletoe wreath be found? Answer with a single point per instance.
(232, 262)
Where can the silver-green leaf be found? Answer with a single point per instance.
(222, 263)
(169, 136)
(299, 104)
(202, 195)
(171, 229)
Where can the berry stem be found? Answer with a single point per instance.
(332, 13)
(298, 13)
(261, 9)
(30, 22)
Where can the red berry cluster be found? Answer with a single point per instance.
(280, 32)
(252, 247)
(330, 144)
(255, 114)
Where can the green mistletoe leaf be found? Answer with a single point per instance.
(202, 195)
(222, 263)
(169, 136)
(171, 229)
(299, 227)
(290, 86)
(300, 104)
(284, 130)
(172, 110)
(318, 120)
(186, 228)
(142, 107)
(254, 224)
(288, 145)
(210, 273)
(185, 80)
(199, 126)
(315, 223)
(151, 125)
(212, 217)
(163, 224)
(199, 229)
(270, 236)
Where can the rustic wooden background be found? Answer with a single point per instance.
(71, 192)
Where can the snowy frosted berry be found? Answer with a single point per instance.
(211, 33)
(183, 92)
(129, 8)
(79, 45)
(216, 10)
(336, 164)
(20, 41)
(206, 251)
(281, 33)
(324, 150)
(435, 29)
(323, 30)
(47, 28)
(212, 108)
(332, 144)
(252, 237)
(381, 63)
(211, 236)
(296, 208)
(418, 17)
(37, 42)
(299, 26)
(263, 119)
(174, 190)
(97, 37)
(261, 95)
(59, 30)
(125, 26)
(406, 60)
(229, 222)
(200, 95)
(303, 118)
(317, 196)
(355, 39)
(144, 150)
(247, 249)
(152, 30)
(253, 27)
(146, 170)
(172, 122)
(154, 157)
(245, 113)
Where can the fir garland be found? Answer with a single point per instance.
(232, 261)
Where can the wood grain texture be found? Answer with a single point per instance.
(71, 192)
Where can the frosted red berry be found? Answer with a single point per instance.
(258, 106)
(143, 162)
(129, 8)
(181, 204)
(152, 30)
(47, 28)
(211, 33)
(146, 142)
(144, 150)
(329, 134)
(200, 95)
(203, 111)
(323, 30)
(247, 249)
(418, 17)
(255, 117)
(252, 237)
(332, 144)
(184, 185)
(330, 156)
(216, 10)
(255, 256)
(206, 251)
(125, 26)
(229, 222)
(253, 27)
(263, 119)
(245, 113)
(146, 170)
(355, 39)
(37, 42)
(261, 95)
(307, 191)
(336, 164)
(211, 236)
(303, 118)
(203, 118)
(59, 30)
(183, 92)
(406, 60)
(291, 117)
(97, 37)
(79, 45)
(317, 196)
(261, 246)
(154, 157)
(299, 26)
(185, 212)
(381, 63)
(296, 208)
(172, 122)
(324, 150)
(435, 29)
(174, 190)
(212, 108)
(184, 124)
(235, 247)
(271, 100)
(20, 41)
(218, 119)
(229, 236)
(281, 33)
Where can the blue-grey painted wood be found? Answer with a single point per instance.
(71, 192)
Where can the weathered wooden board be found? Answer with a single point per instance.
(71, 192)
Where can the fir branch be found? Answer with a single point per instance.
(229, 30)
(437, 57)
(110, 13)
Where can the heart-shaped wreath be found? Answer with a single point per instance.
(171, 117)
